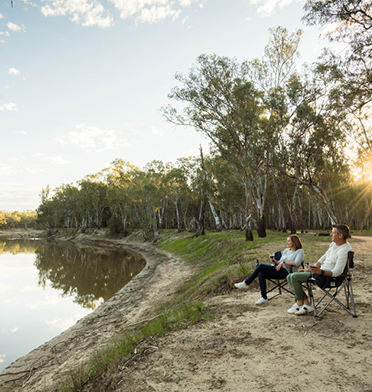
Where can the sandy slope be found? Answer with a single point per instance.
(243, 348)
(246, 348)
(45, 367)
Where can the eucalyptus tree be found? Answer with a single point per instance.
(349, 22)
(3, 220)
(148, 194)
(227, 192)
(189, 191)
(93, 191)
(176, 182)
(119, 177)
(311, 151)
(155, 173)
(235, 105)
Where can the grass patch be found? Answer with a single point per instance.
(104, 360)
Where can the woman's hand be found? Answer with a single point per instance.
(278, 266)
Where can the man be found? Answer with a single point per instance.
(332, 263)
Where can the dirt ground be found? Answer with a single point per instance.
(244, 347)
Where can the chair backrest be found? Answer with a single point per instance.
(337, 281)
(350, 259)
(349, 264)
(278, 255)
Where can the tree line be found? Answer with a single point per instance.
(18, 219)
(290, 146)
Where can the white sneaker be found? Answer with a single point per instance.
(304, 309)
(295, 308)
(262, 301)
(241, 285)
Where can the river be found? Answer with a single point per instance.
(45, 287)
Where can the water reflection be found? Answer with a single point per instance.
(46, 287)
(87, 275)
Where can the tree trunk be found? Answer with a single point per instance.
(261, 226)
(215, 215)
(201, 218)
(281, 217)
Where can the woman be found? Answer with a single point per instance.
(292, 256)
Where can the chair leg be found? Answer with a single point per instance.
(349, 297)
(311, 295)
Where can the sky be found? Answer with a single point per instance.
(82, 81)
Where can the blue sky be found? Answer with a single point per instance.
(82, 81)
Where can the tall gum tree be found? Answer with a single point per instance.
(235, 106)
(348, 22)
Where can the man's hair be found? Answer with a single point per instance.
(296, 240)
(342, 229)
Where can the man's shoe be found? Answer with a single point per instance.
(295, 308)
(241, 285)
(262, 301)
(304, 309)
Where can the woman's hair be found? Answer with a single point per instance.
(296, 240)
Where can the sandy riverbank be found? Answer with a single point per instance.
(243, 348)
(45, 367)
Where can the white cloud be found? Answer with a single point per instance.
(15, 196)
(2, 357)
(1, 16)
(5, 287)
(32, 170)
(92, 138)
(5, 33)
(266, 8)
(93, 13)
(12, 330)
(51, 159)
(156, 14)
(150, 11)
(156, 131)
(14, 27)
(23, 132)
(13, 71)
(83, 12)
(6, 170)
(11, 107)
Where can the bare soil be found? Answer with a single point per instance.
(244, 347)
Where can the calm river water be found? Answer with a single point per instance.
(46, 287)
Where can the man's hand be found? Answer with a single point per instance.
(315, 269)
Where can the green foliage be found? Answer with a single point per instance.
(18, 219)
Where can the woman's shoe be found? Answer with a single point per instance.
(241, 285)
(262, 301)
(304, 309)
(295, 308)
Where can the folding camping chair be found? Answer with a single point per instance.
(333, 287)
(279, 284)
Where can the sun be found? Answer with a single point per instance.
(363, 170)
